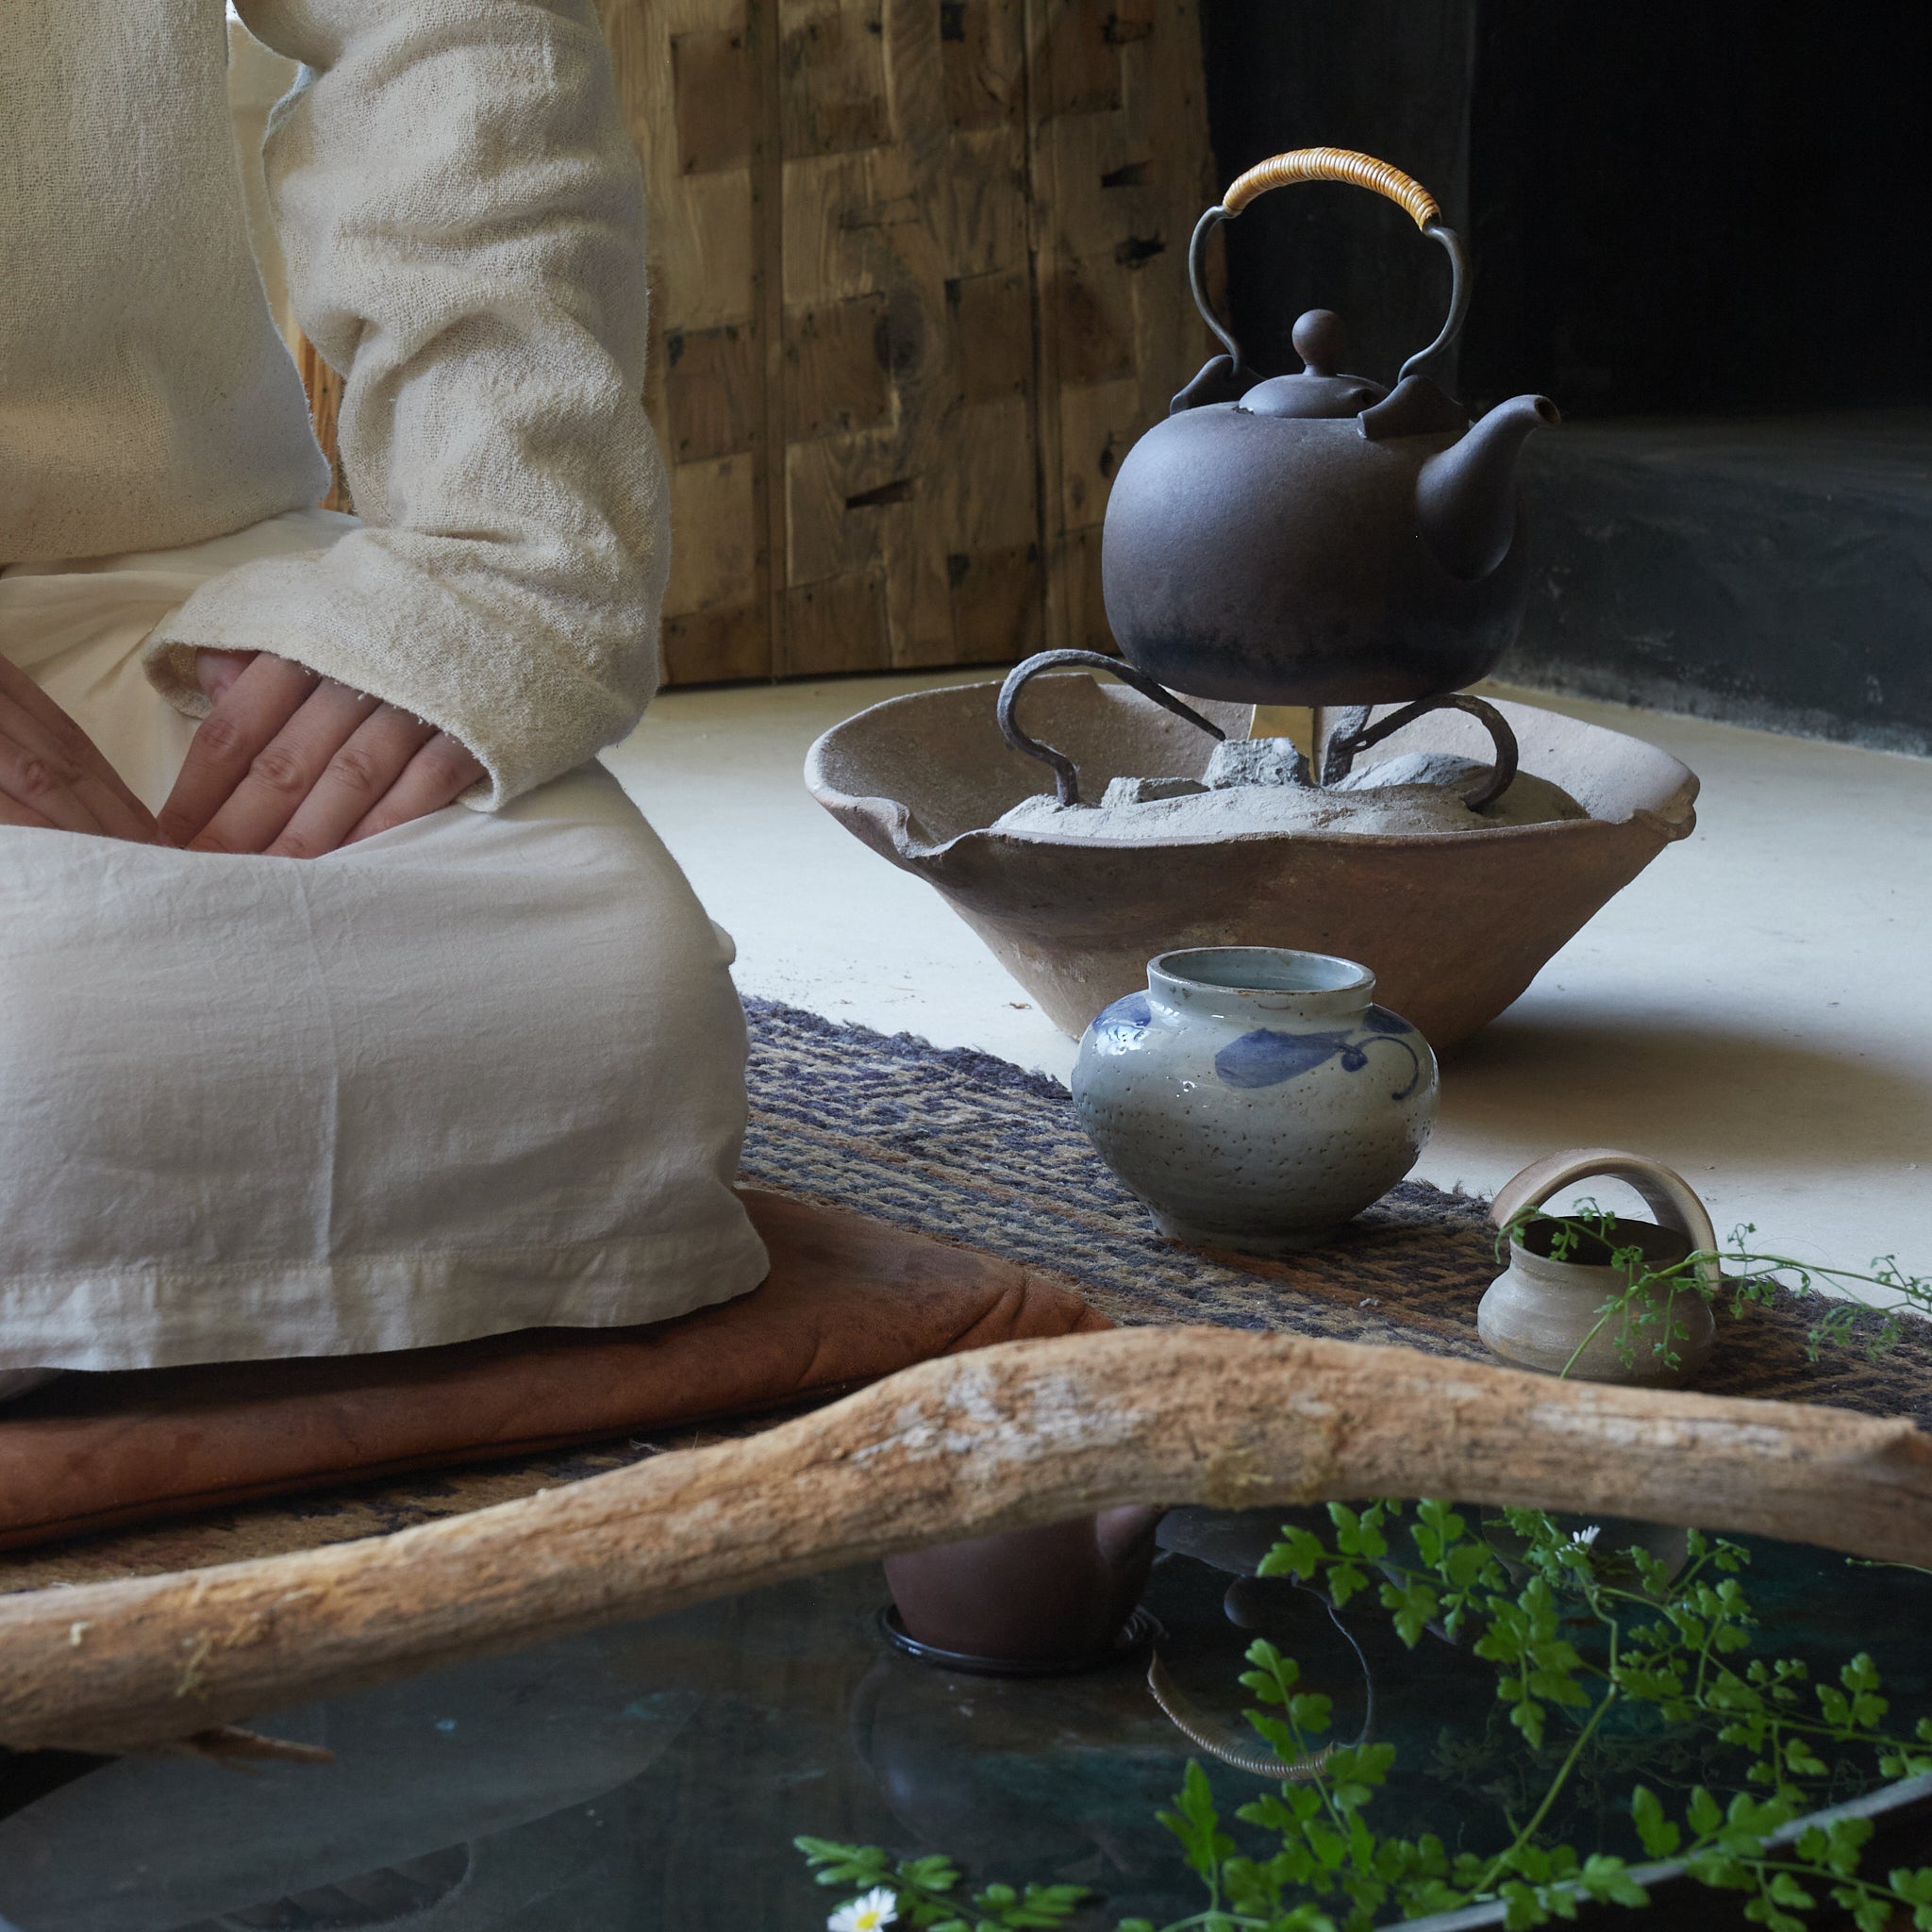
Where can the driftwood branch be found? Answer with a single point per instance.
(1004, 1438)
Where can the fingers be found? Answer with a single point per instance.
(14, 813)
(51, 767)
(71, 799)
(438, 776)
(116, 811)
(58, 773)
(43, 782)
(264, 696)
(216, 671)
(294, 765)
(354, 781)
(283, 774)
(22, 701)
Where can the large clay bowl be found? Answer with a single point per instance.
(1455, 927)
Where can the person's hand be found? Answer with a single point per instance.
(53, 775)
(295, 765)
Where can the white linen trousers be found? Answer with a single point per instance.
(482, 1073)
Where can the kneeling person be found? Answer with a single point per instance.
(399, 1025)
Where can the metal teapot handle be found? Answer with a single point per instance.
(1066, 774)
(1333, 164)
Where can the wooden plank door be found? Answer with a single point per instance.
(1120, 171)
(919, 280)
(688, 74)
(910, 518)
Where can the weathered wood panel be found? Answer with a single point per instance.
(1121, 170)
(688, 74)
(874, 231)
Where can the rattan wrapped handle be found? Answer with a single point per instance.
(1333, 164)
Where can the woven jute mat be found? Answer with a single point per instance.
(972, 1149)
(959, 1145)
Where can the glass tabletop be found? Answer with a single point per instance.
(653, 1774)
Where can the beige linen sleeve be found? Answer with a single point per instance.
(462, 218)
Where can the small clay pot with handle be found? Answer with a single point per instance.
(1546, 1313)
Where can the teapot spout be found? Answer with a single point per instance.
(1465, 498)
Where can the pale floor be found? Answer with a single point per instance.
(1755, 1011)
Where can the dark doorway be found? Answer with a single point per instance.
(1708, 207)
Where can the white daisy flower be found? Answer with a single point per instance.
(1584, 1537)
(878, 1907)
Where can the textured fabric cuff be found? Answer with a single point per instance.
(466, 649)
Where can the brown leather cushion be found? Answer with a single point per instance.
(848, 1300)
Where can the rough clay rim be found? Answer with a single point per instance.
(895, 814)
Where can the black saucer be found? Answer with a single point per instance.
(1133, 1640)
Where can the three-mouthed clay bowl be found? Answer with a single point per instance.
(1455, 925)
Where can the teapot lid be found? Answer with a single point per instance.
(1321, 340)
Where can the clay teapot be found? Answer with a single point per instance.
(1317, 538)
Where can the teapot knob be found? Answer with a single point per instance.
(1321, 340)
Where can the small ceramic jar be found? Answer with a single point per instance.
(1546, 1310)
(1254, 1097)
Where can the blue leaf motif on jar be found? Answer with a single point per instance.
(1266, 1058)
(1122, 1025)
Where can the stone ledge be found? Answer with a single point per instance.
(1770, 571)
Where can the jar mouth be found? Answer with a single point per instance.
(1262, 970)
(1662, 1247)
